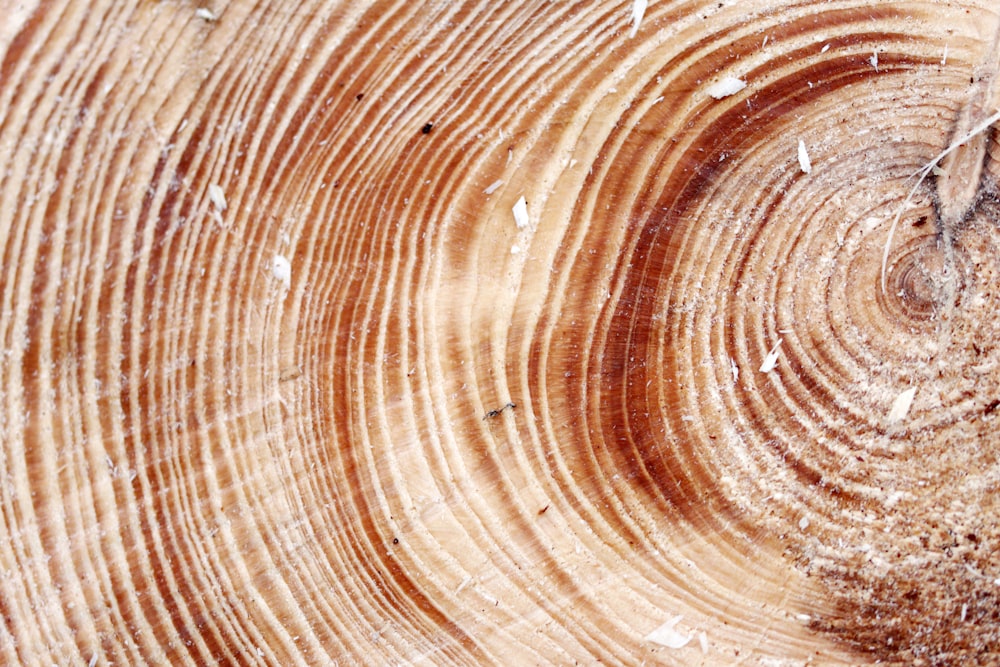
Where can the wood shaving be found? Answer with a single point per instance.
(281, 269)
(901, 406)
(205, 14)
(638, 9)
(520, 211)
(666, 635)
(217, 196)
(804, 162)
(726, 87)
(771, 360)
(492, 187)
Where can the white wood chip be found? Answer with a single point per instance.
(638, 9)
(281, 269)
(726, 87)
(217, 196)
(520, 211)
(204, 13)
(965, 611)
(771, 360)
(735, 369)
(901, 406)
(804, 162)
(492, 187)
(703, 641)
(874, 60)
(803, 523)
(666, 635)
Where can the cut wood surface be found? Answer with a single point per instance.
(514, 333)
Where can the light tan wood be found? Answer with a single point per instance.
(284, 381)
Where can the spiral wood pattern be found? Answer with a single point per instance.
(284, 381)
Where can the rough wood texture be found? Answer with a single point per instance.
(436, 436)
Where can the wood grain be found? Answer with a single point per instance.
(283, 380)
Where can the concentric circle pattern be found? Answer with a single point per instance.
(499, 333)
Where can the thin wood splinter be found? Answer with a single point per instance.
(958, 187)
(923, 173)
